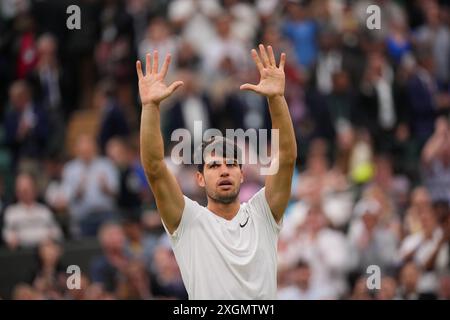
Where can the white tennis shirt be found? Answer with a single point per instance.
(228, 259)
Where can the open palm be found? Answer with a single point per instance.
(272, 80)
(152, 88)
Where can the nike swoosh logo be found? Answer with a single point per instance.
(243, 225)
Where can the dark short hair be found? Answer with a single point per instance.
(218, 144)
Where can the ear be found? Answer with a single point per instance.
(200, 179)
(242, 175)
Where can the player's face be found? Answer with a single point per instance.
(221, 179)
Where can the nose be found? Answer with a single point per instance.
(224, 171)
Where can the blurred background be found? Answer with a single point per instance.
(370, 110)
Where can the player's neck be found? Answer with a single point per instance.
(224, 210)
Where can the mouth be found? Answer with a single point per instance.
(225, 183)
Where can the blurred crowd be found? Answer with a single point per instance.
(370, 110)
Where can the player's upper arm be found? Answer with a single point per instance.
(168, 195)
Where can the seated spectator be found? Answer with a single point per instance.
(23, 291)
(388, 289)
(82, 292)
(360, 290)
(409, 282)
(159, 37)
(129, 199)
(226, 48)
(388, 214)
(107, 268)
(444, 287)
(378, 108)
(428, 249)
(302, 287)
(26, 125)
(166, 276)
(371, 242)
(92, 184)
(50, 276)
(395, 187)
(324, 249)
(191, 107)
(55, 195)
(435, 34)
(421, 96)
(436, 161)
(27, 223)
(420, 201)
(51, 82)
(139, 245)
(135, 285)
(301, 30)
(113, 122)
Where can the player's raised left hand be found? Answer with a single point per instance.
(272, 80)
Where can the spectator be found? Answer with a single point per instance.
(112, 264)
(371, 242)
(139, 245)
(23, 291)
(160, 38)
(379, 110)
(26, 126)
(113, 121)
(420, 202)
(436, 161)
(129, 200)
(301, 30)
(324, 249)
(360, 290)
(225, 49)
(428, 249)
(421, 93)
(444, 287)
(194, 19)
(388, 289)
(435, 35)
(92, 183)
(166, 279)
(192, 107)
(135, 284)
(56, 195)
(50, 275)
(28, 222)
(409, 278)
(302, 287)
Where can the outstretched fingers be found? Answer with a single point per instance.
(248, 86)
(174, 86)
(282, 61)
(139, 69)
(272, 60)
(257, 60)
(155, 62)
(264, 56)
(148, 61)
(165, 66)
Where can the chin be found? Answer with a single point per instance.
(225, 196)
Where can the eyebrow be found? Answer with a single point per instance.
(213, 162)
(227, 161)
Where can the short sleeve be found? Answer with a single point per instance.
(190, 213)
(260, 205)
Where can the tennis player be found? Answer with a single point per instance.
(226, 250)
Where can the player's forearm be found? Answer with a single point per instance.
(151, 141)
(281, 120)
